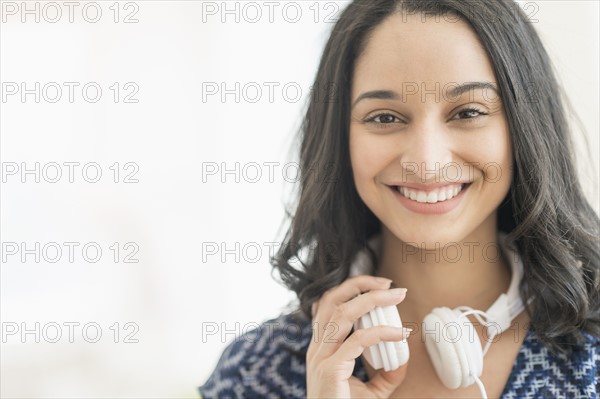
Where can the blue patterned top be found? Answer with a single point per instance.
(270, 362)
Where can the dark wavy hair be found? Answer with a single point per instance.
(545, 212)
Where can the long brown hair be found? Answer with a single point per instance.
(545, 213)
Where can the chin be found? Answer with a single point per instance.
(428, 237)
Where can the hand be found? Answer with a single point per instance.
(330, 360)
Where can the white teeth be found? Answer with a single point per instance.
(442, 196)
(438, 195)
(431, 197)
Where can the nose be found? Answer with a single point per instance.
(427, 152)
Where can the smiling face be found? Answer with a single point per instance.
(427, 124)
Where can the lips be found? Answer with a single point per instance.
(437, 205)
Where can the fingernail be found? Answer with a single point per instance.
(383, 280)
(405, 331)
(398, 291)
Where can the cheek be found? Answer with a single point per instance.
(508, 158)
(489, 145)
(366, 157)
(502, 159)
(496, 158)
(363, 158)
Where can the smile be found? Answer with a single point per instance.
(436, 195)
(435, 201)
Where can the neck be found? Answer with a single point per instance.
(446, 276)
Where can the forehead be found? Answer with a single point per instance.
(412, 48)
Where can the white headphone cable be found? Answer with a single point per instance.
(480, 385)
(477, 314)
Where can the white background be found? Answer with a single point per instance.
(171, 134)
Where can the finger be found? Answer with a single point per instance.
(344, 292)
(347, 313)
(384, 383)
(361, 339)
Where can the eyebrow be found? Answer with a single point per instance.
(456, 91)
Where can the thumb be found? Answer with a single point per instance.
(384, 383)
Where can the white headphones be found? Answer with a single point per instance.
(451, 342)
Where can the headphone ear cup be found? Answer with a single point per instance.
(388, 352)
(398, 350)
(472, 345)
(442, 352)
(386, 355)
(453, 353)
(378, 319)
(372, 353)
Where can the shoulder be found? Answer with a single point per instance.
(538, 372)
(265, 361)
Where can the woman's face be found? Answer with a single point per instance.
(426, 116)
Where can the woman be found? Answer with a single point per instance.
(446, 132)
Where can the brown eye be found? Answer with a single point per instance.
(383, 119)
(470, 113)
